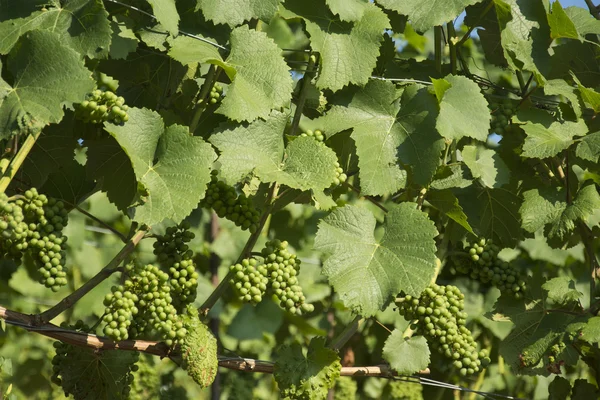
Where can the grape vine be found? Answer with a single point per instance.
(102, 105)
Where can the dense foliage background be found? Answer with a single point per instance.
(390, 145)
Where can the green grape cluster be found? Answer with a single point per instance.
(102, 105)
(501, 115)
(142, 306)
(250, 280)
(438, 315)
(175, 256)
(228, 204)
(216, 94)
(317, 135)
(485, 267)
(340, 176)
(33, 223)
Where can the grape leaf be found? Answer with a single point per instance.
(108, 164)
(559, 389)
(486, 165)
(166, 13)
(493, 213)
(446, 202)
(490, 23)
(590, 97)
(261, 80)
(348, 10)
(348, 51)
(123, 39)
(176, 182)
(304, 164)
(377, 134)
(406, 356)
(583, 20)
(421, 145)
(547, 207)
(367, 273)
(426, 16)
(561, 25)
(188, 51)
(81, 24)
(560, 87)
(561, 290)
(589, 147)
(234, 12)
(69, 182)
(591, 332)
(463, 110)
(306, 377)
(453, 176)
(87, 374)
(48, 76)
(583, 390)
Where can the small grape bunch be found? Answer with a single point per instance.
(120, 309)
(175, 256)
(228, 204)
(340, 176)
(501, 115)
(48, 252)
(216, 94)
(282, 269)
(249, 280)
(13, 230)
(438, 315)
(487, 268)
(102, 105)
(317, 135)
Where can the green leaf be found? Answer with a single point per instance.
(463, 111)
(493, 213)
(486, 165)
(176, 182)
(261, 80)
(367, 273)
(348, 51)
(306, 377)
(235, 12)
(446, 202)
(591, 332)
(583, 390)
(89, 374)
(560, 87)
(559, 389)
(548, 208)
(424, 17)
(561, 25)
(348, 10)
(254, 322)
(69, 182)
(452, 176)
(406, 356)
(490, 22)
(81, 24)
(584, 21)
(166, 14)
(189, 51)
(545, 137)
(48, 76)
(123, 40)
(561, 290)
(589, 147)
(421, 146)
(377, 134)
(590, 97)
(108, 164)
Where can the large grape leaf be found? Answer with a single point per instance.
(348, 10)
(486, 165)
(421, 146)
(547, 208)
(492, 213)
(81, 24)
(589, 147)
(367, 272)
(584, 21)
(304, 164)
(377, 134)
(560, 24)
(123, 40)
(89, 374)
(234, 12)
(166, 14)
(48, 75)
(177, 180)
(424, 16)
(261, 80)
(463, 109)
(406, 356)
(306, 377)
(348, 51)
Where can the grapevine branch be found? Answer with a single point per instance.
(16, 162)
(104, 273)
(308, 76)
(98, 220)
(160, 349)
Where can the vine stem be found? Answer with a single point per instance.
(593, 9)
(452, 46)
(438, 45)
(224, 284)
(588, 242)
(468, 34)
(308, 75)
(214, 262)
(338, 342)
(16, 162)
(98, 220)
(160, 349)
(369, 198)
(211, 77)
(104, 273)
